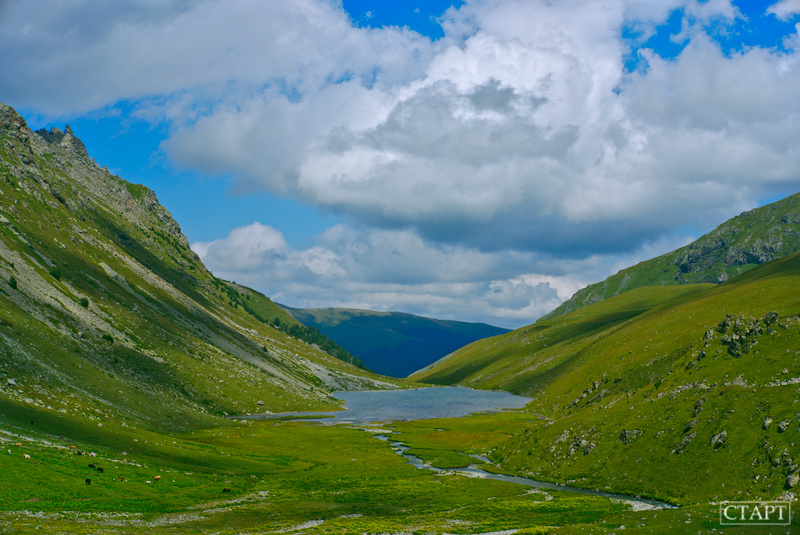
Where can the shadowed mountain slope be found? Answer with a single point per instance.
(393, 343)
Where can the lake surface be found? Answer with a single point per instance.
(421, 404)
(370, 406)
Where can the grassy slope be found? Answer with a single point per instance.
(521, 360)
(642, 362)
(393, 343)
(105, 312)
(736, 246)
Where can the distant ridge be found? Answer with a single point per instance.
(736, 246)
(393, 343)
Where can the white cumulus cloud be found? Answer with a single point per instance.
(501, 165)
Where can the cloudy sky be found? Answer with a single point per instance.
(478, 160)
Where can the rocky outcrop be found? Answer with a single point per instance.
(684, 442)
(627, 436)
(718, 440)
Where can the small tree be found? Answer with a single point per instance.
(55, 272)
(84, 302)
(12, 282)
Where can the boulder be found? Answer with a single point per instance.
(626, 436)
(792, 480)
(767, 421)
(685, 442)
(718, 440)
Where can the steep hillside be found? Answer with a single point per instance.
(697, 384)
(393, 343)
(105, 310)
(740, 244)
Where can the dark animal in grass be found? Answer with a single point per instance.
(99, 469)
(91, 466)
(88, 481)
(226, 490)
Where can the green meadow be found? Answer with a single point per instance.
(286, 476)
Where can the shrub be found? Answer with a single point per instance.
(84, 302)
(55, 272)
(108, 338)
(12, 282)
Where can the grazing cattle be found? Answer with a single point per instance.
(88, 481)
(91, 466)
(121, 478)
(226, 490)
(93, 454)
(157, 478)
(148, 482)
(99, 469)
(72, 447)
(79, 453)
(17, 444)
(26, 455)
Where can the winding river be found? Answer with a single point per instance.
(366, 408)
(636, 502)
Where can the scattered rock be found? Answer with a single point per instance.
(718, 440)
(689, 426)
(739, 381)
(685, 442)
(767, 421)
(792, 480)
(698, 407)
(783, 426)
(626, 436)
(708, 336)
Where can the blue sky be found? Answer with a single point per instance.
(477, 160)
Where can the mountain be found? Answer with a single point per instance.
(105, 310)
(739, 244)
(685, 392)
(393, 343)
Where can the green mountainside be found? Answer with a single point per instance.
(393, 343)
(739, 244)
(106, 312)
(686, 393)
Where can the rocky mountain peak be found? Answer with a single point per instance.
(55, 164)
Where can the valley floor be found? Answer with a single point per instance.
(291, 477)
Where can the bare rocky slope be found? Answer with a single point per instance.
(105, 310)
